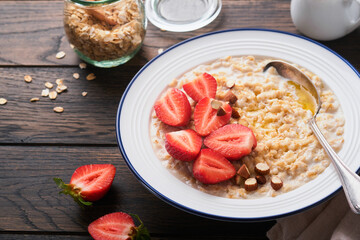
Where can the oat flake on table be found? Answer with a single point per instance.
(58, 109)
(60, 55)
(45, 92)
(28, 78)
(3, 101)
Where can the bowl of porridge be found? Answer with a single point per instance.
(282, 168)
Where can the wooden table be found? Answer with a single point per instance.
(37, 144)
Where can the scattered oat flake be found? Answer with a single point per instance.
(82, 65)
(60, 54)
(52, 95)
(60, 88)
(3, 101)
(34, 99)
(49, 85)
(84, 94)
(76, 75)
(72, 46)
(160, 50)
(45, 92)
(28, 78)
(90, 77)
(58, 109)
(59, 81)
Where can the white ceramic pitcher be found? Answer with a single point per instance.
(325, 19)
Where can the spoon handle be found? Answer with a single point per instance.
(349, 180)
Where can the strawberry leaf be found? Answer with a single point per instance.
(141, 232)
(68, 189)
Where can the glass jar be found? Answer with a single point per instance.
(105, 33)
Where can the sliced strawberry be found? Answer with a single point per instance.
(173, 108)
(183, 145)
(117, 226)
(211, 167)
(233, 141)
(203, 86)
(206, 119)
(88, 183)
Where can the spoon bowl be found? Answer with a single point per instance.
(349, 180)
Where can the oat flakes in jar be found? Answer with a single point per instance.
(105, 33)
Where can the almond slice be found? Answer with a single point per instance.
(216, 104)
(276, 183)
(230, 83)
(262, 168)
(251, 184)
(230, 97)
(244, 171)
(235, 114)
(237, 180)
(221, 112)
(260, 179)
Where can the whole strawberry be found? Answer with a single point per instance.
(88, 183)
(118, 226)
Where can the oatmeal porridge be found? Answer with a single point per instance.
(272, 107)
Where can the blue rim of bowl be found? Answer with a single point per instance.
(188, 209)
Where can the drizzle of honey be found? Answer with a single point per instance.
(304, 97)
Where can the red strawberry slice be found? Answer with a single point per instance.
(233, 141)
(117, 226)
(173, 108)
(206, 119)
(211, 167)
(88, 183)
(183, 145)
(203, 86)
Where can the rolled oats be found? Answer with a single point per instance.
(34, 99)
(82, 65)
(28, 78)
(76, 75)
(53, 95)
(60, 55)
(58, 109)
(45, 92)
(49, 85)
(3, 101)
(90, 77)
(84, 94)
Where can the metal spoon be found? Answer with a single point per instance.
(349, 180)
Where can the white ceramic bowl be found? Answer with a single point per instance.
(133, 117)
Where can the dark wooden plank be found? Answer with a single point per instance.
(89, 119)
(29, 199)
(31, 32)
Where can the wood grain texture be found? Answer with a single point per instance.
(85, 120)
(29, 199)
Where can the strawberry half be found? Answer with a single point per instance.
(183, 145)
(173, 108)
(203, 86)
(88, 183)
(206, 119)
(233, 141)
(117, 226)
(211, 167)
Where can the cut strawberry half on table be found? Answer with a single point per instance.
(203, 86)
(117, 226)
(211, 167)
(88, 183)
(173, 108)
(233, 141)
(206, 119)
(183, 145)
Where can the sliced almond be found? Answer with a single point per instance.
(101, 15)
(262, 168)
(244, 171)
(34, 99)
(76, 75)
(230, 83)
(58, 109)
(28, 78)
(276, 183)
(45, 92)
(3, 101)
(59, 81)
(84, 94)
(216, 104)
(52, 95)
(221, 112)
(260, 179)
(60, 55)
(82, 65)
(235, 114)
(251, 184)
(237, 180)
(90, 77)
(230, 97)
(49, 85)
